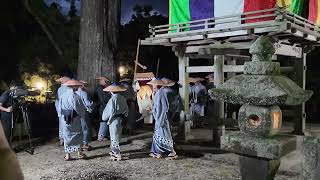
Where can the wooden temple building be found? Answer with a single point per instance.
(222, 32)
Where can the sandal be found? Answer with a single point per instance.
(67, 158)
(115, 157)
(86, 147)
(155, 155)
(172, 156)
(82, 156)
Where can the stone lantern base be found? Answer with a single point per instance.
(259, 156)
(252, 168)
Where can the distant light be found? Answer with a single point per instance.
(40, 85)
(121, 69)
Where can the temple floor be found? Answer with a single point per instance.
(197, 160)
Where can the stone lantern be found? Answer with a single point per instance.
(260, 90)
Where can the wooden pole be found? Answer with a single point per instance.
(218, 125)
(158, 67)
(137, 58)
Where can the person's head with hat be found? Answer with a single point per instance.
(168, 82)
(126, 82)
(103, 81)
(156, 83)
(63, 79)
(74, 84)
(115, 88)
(198, 80)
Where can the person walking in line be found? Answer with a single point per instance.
(60, 91)
(72, 110)
(162, 142)
(102, 100)
(85, 122)
(113, 114)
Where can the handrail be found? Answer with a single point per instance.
(280, 14)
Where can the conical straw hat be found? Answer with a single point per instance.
(211, 80)
(114, 88)
(125, 80)
(84, 82)
(168, 82)
(73, 82)
(103, 78)
(199, 79)
(157, 82)
(210, 76)
(192, 80)
(63, 79)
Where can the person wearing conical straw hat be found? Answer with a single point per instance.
(130, 124)
(162, 142)
(102, 98)
(175, 101)
(72, 110)
(85, 121)
(114, 113)
(198, 100)
(60, 91)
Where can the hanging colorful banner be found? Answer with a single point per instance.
(256, 5)
(182, 11)
(294, 6)
(228, 8)
(190, 10)
(314, 12)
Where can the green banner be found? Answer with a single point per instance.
(296, 6)
(179, 12)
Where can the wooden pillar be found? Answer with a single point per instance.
(300, 119)
(218, 125)
(185, 123)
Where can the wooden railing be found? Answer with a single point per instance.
(275, 14)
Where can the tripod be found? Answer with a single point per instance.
(22, 112)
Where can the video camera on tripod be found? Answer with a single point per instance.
(20, 113)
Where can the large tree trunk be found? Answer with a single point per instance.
(99, 32)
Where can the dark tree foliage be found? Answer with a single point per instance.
(138, 28)
(23, 40)
(72, 11)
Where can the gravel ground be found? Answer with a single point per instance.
(193, 163)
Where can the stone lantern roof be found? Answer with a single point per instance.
(261, 83)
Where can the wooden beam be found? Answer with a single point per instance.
(148, 42)
(187, 38)
(229, 33)
(226, 68)
(211, 51)
(288, 50)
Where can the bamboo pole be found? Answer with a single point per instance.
(158, 67)
(137, 58)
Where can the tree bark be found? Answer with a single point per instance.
(43, 26)
(99, 34)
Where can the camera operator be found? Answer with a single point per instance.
(6, 109)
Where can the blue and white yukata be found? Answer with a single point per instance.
(198, 99)
(115, 111)
(162, 139)
(72, 106)
(60, 91)
(85, 122)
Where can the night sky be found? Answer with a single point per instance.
(160, 6)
